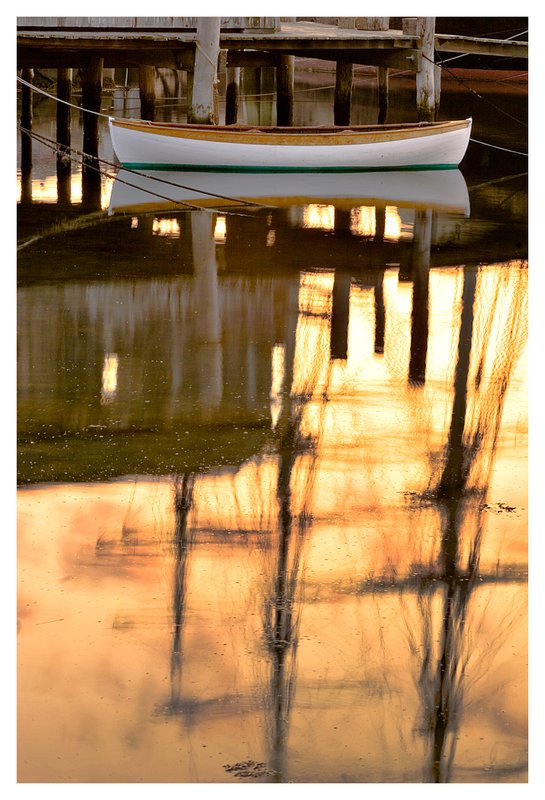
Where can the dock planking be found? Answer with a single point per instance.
(50, 46)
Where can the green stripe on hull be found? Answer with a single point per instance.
(137, 165)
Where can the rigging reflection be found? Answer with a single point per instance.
(445, 586)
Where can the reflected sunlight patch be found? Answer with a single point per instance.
(109, 377)
(319, 216)
(363, 221)
(277, 381)
(220, 230)
(398, 227)
(166, 227)
(45, 190)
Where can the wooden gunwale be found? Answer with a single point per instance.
(246, 134)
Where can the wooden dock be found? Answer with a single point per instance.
(176, 43)
(174, 48)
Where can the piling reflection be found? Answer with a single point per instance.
(183, 542)
(445, 586)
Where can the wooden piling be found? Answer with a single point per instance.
(383, 98)
(437, 88)
(425, 89)
(267, 98)
(285, 72)
(91, 96)
(26, 140)
(232, 92)
(344, 77)
(146, 84)
(64, 163)
(207, 48)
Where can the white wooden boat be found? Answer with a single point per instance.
(141, 192)
(139, 144)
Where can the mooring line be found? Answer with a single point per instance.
(74, 155)
(261, 205)
(473, 91)
(497, 147)
(59, 100)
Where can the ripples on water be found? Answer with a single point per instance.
(272, 507)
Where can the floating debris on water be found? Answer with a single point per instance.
(249, 769)
(499, 508)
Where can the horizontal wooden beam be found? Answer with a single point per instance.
(448, 43)
(145, 23)
(51, 59)
(405, 60)
(59, 48)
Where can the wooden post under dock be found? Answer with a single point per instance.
(91, 98)
(285, 78)
(202, 108)
(285, 83)
(26, 140)
(232, 92)
(64, 140)
(344, 78)
(146, 82)
(425, 76)
(383, 96)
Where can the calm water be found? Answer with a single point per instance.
(272, 469)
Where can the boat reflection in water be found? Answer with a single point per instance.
(444, 190)
(315, 570)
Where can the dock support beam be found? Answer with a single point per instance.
(437, 88)
(344, 77)
(146, 83)
(425, 83)
(64, 164)
(383, 98)
(203, 104)
(232, 91)
(285, 72)
(91, 98)
(26, 140)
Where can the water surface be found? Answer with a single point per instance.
(272, 468)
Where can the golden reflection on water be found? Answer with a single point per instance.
(347, 605)
(166, 227)
(362, 220)
(46, 189)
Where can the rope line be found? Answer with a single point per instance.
(74, 155)
(497, 147)
(441, 64)
(473, 91)
(205, 54)
(58, 99)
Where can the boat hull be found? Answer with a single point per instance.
(144, 145)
